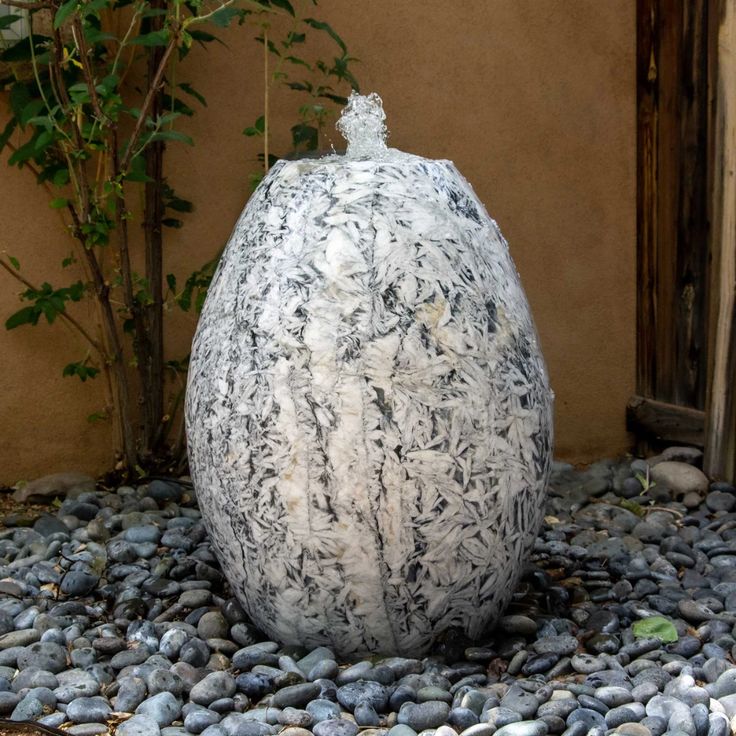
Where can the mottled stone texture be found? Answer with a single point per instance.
(368, 413)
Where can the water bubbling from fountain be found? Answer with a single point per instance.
(362, 124)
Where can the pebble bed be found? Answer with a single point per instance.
(115, 618)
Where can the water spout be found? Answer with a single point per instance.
(362, 124)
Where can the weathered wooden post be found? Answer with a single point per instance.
(720, 449)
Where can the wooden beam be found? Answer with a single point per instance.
(720, 447)
(691, 284)
(666, 422)
(646, 225)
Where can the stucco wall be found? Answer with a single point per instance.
(534, 100)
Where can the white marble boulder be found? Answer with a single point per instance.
(368, 412)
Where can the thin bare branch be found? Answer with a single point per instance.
(78, 33)
(148, 101)
(37, 5)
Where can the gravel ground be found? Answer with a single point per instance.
(115, 618)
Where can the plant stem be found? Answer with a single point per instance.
(28, 5)
(121, 400)
(148, 101)
(153, 215)
(78, 33)
(64, 315)
(267, 84)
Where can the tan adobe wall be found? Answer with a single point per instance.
(534, 100)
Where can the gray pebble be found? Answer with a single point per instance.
(587, 716)
(518, 625)
(322, 710)
(462, 718)
(521, 702)
(401, 729)
(8, 701)
(363, 691)
(560, 645)
(337, 727)
(213, 626)
(19, 638)
(630, 713)
(296, 717)
(213, 686)
(88, 710)
(75, 683)
(296, 696)
(365, 714)
(614, 696)
(420, 716)
(324, 669)
(197, 721)
(28, 709)
(131, 694)
(523, 728)
(163, 708)
(138, 725)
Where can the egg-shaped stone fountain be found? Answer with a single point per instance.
(368, 412)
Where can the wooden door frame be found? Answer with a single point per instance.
(672, 222)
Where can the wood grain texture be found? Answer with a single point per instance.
(720, 455)
(661, 421)
(672, 201)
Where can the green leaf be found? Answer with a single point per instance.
(7, 132)
(94, 35)
(284, 5)
(93, 7)
(14, 262)
(337, 99)
(186, 87)
(19, 97)
(224, 16)
(300, 86)
(202, 37)
(137, 170)
(7, 20)
(61, 177)
(655, 626)
(23, 154)
(21, 51)
(59, 203)
(171, 281)
(321, 25)
(179, 205)
(30, 111)
(172, 135)
(293, 38)
(154, 38)
(257, 129)
(177, 105)
(305, 135)
(25, 316)
(167, 118)
(43, 141)
(81, 369)
(172, 222)
(300, 62)
(633, 506)
(65, 11)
